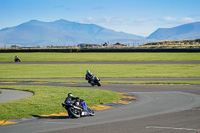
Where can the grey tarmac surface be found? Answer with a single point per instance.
(160, 108)
(124, 79)
(11, 95)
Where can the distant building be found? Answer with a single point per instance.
(119, 44)
(87, 45)
(105, 44)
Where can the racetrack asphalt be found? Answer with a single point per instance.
(11, 95)
(159, 109)
(122, 79)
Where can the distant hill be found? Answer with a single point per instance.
(67, 33)
(182, 32)
(58, 33)
(195, 43)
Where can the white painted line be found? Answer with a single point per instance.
(173, 128)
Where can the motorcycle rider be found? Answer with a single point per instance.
(89, 76)
(17, 59)
(70, 99)
(78, 102)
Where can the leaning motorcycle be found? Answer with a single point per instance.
(17, 60)
(76, 111)
(95, 81)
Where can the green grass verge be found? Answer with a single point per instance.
(104, 82)
(39, 56)
(101, 70)
(48, 99)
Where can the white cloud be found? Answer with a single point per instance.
(87, 20)
(179, 20)
(188, 20)
(104, 20)
(90, 19)
(107, 19)
(169, 19)
(113, 20)
(114, 23)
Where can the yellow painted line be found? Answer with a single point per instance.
(8, 82)
(101, 107)
(129, 97)
(63, 114)
(105, 83)
(124, 93)
(54, 115)
(45, 115)
(123, 102)
(7, 122)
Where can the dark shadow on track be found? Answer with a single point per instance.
(51, 117)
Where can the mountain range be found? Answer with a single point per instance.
(182, 32)
(59, 33)
(67, 33)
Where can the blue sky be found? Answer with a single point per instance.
(140, 17)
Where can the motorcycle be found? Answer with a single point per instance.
(95, 81)
(76, 111)
(17, 60)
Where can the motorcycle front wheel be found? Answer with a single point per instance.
(74, 112)
(99, 84)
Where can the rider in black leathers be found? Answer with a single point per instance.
(17, 59)
(78, 101)
(71, 99)
(89, 76)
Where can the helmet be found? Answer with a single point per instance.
(88, 71)
(70, 95)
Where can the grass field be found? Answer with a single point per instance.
(9, 57)
(43, 81)
(48, 99)
(101, 70)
